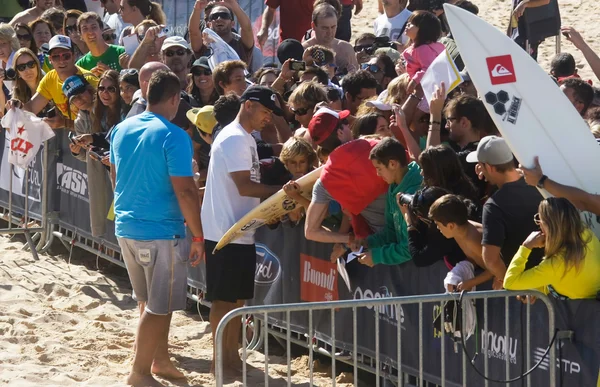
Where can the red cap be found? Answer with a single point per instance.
(324, 122)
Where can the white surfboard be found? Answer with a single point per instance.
(529, 109)
(276, 206)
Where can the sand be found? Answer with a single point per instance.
(68, 325)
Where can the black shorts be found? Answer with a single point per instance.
(230, 272)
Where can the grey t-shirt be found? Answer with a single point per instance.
(374, 213)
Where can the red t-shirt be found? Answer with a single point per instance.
(346, 2)
(295, 17)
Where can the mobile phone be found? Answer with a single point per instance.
(72, 136)
(296, 65)
(95, 154)
(163, 32)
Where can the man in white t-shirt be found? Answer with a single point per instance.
(233, 188)
(392, 23)
(112, 17)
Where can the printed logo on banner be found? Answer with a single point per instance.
(568, 366)
(318, 279)
(268, 266)
(501, 69)
(499, 347)
(388, 313)
(19, 182)
(498, 101)
(72, 182)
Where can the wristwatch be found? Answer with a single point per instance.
(540, 183)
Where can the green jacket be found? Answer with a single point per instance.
(390, 245)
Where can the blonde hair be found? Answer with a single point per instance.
(396, 90)
(564, 232)
(308, 93)
(297, 146)
(8, 34)
(21, 91)
(595, 129)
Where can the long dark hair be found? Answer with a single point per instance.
(430, 28)
(442, 168)
(33, 46)
(365, 124)
(113, 114)
(150, 10)
(21, 91)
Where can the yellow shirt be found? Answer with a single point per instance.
(582, 283)
(50, 87)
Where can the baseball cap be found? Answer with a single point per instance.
(393, 54)
(59, 41)
(491, 150)
(290, 49)
(74, 85)
(378, 103)
(324, 122)
(203, 118)
(264, 96)
(202, 62)
(175, 41)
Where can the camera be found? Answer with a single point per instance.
(9, 74)
(382, 42)
(296, 65)
(405, 199)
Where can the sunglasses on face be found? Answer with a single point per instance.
(23, 66)
(180, 52)
(222, 15)
(69, 29)
(24, 37)
(300, 112)
(200, 71)
(373, 68)
(61, 57)
(368, 48)
(107, 37)
(110, 89)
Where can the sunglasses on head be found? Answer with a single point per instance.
(128, 72)
(217, 15)
(373, 68)
(179, 52)
(201, 71)
(24, 36)
(63, 56)
(368, 48)
(23, 66)
(110, 89)
(107, 37)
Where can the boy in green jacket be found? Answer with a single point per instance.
(390, 245)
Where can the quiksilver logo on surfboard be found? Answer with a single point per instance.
(501, 69)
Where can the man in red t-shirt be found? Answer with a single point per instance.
(295, 17)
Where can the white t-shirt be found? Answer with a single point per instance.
(392, 27)
(234, 150)
(25, 136)
(95, 6)
(115, 21)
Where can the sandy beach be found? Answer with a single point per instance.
(72, 324)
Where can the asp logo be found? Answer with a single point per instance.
(567, 365)
(501, 69)
(499, 347)
(318, 279)
(72, 182)
(268, 266)
(389, 313)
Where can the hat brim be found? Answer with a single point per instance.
(472, 157)
(379, 105)
(344, 114)
(206, 67)
(59, 46)
(164, 47)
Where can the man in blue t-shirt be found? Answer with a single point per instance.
(151, 171)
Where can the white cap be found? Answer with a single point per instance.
(175, 41)
(59, 41)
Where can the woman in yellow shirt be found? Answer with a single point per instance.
(571, 266)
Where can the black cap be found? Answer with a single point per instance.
(290, 49)
(264, 96)
(202, 62)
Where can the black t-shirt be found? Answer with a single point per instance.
(508, 219)
(469, 168)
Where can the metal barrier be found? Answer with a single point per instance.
(378, 305)
(23, 223)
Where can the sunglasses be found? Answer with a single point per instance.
(373, 68)
(180, 52)
(23, 66)
(368, 48)
(128, 72)
(60, 57)
(536, 219)
(300, 112)
(24, 37)
(222, 15)
(69, 29)
(200, 71)
(107, 37)
(110, 89)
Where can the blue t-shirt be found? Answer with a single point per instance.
(146, 151)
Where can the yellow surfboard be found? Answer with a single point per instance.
(276, 206)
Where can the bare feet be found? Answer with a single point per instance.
(137, 380)
(166, 370)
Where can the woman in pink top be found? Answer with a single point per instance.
(424, 29)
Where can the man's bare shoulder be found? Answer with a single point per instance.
(22, 17)
(309, 43)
